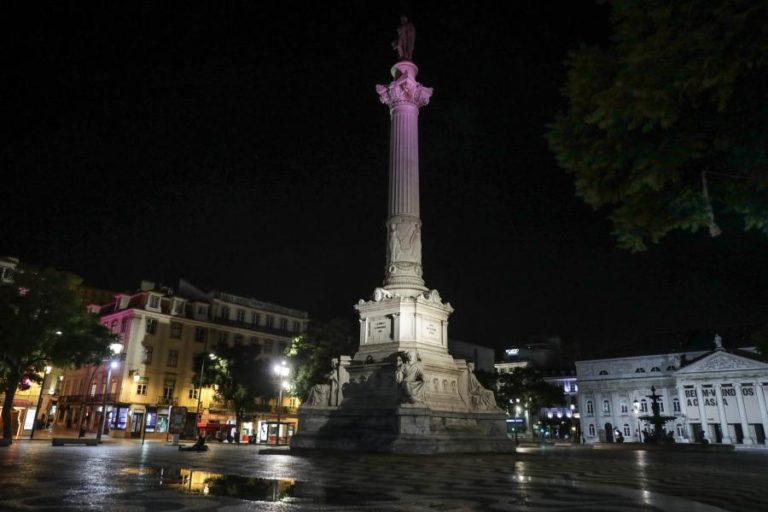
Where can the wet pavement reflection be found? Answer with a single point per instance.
(126, 476)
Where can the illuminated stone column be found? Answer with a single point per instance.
(404, 96)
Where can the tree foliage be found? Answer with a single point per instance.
(668, 125)
(311, 353)
(43, 322)
(239, 375)
(528, 386)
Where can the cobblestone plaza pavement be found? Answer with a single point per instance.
(126, 476)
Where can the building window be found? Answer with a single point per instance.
(241, 315)
(655, 369)
(173, 358)
(147, 359)
(627, 432)
(255, 318)
(661, 405)
(624, 407)
(175, 330)
(93, 389)
(268, 346)
(671, 368)
(589, 407)
(603, 372)
(170, 384)
(296, 326)
(676, 405)
(254, 340)
(225, 312)
(223, 336)
(113, 327)
(606, 407)
(194, 394)
(200, 334)
(238, 339)
(643, 405)
(270, 321)
(151, 326)
(123, 325)
(680, 430)
(154, 302)
(639, 370)
(201, 312)
(283, 324)
(141, 389)
(591, 430)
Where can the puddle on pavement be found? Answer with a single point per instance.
(207, 483)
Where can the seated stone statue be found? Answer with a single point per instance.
(323, 394)
(481, 399)
(409, 374)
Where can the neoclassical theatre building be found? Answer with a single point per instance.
(716, 395)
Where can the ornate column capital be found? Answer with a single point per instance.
(404, 89)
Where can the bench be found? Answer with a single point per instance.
(86, 441)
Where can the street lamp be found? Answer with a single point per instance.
(115, 348)
(39, 401)
(281, 371)
(573, 424)
(198, 415)
(636, 409)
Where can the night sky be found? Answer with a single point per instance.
(245, 148)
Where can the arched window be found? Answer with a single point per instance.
(627, 432)
(655, 369)
(591, 430)
(643, 405)
(624, 407)
(676, 405)
(606, 407)
(603, 372)
(671, 368)
(590, 408)
(639, 370)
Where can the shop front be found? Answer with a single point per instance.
(269, 433)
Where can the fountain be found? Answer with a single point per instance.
(658, 421)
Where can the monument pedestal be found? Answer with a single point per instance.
(405, 429)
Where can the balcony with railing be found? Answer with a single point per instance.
(167, 400)
(88, 399)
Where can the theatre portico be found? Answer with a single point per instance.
(715, 396)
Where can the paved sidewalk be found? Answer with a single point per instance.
(126, 476)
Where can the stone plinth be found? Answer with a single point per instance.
(404, 429)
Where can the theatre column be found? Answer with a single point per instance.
(702, 413)
(743, 414)
(763, 409)
(721, 412)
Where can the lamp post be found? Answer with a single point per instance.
(198, 415)
(574, 438)
(39, 401)
(116, 348)
(281, 370)
(636, 409)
